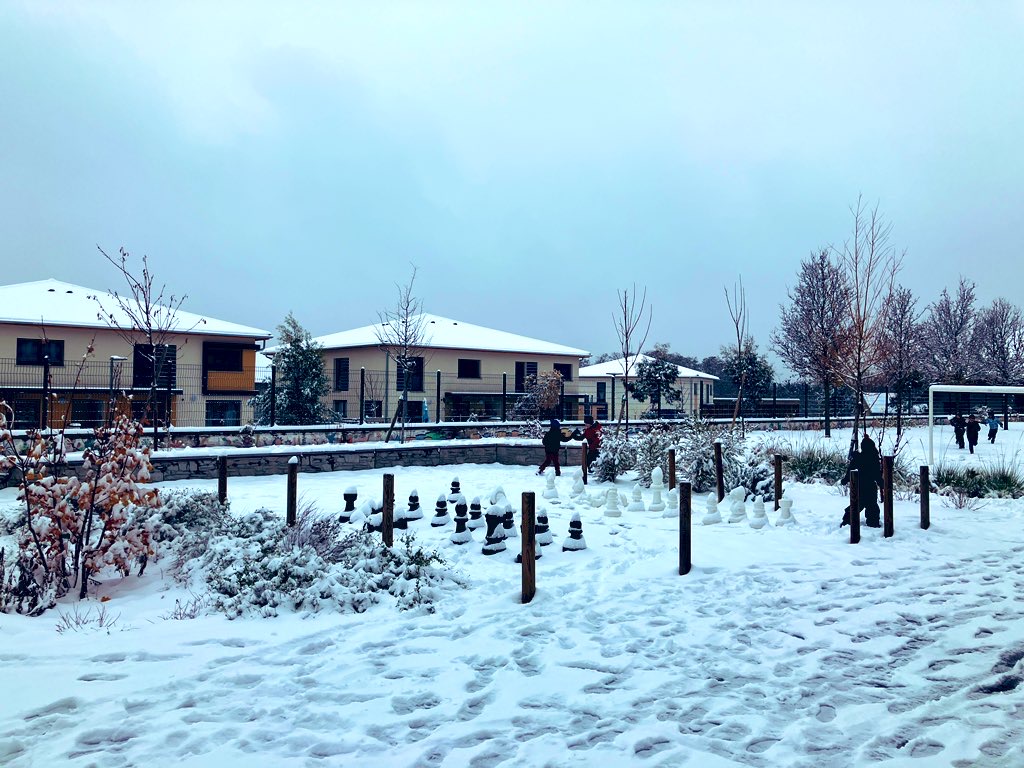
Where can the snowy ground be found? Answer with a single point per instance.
(783, 647)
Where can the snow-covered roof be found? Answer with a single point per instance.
(445, 333)
(53, 302)
(618, 368)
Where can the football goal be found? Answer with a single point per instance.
(962, 389)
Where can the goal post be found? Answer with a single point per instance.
(965, 388)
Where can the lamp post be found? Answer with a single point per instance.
(110, 408)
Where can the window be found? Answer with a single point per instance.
(469, 369)
(27, 414)
(146, 412)
(413, 368)
(340, 409)
(696, 388)
(341, 374)
(223, 413)
(160, 367)
(602, 391)
(222, 357)
(87, 413)
(32, 351)
(524, 370)
(565, 369)
(372, 409)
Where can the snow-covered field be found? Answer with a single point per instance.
(783, 647)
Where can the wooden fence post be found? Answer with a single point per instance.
(583, 452)
(672, 467)
(719, 479)
(926, 487)
(855, 506)
(685, 529)
(293, 487)
(222, 479)
(387, 528)
(778, 480)
(888, 463)
(529, 538)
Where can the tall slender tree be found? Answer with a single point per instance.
(948, 336)
(632, 332)
(999, 340)
(901, 368)
(402, 335)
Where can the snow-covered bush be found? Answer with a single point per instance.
(695, 451)
(752, 472)
(651, 450)
(618, 455)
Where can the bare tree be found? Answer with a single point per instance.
(871, 263)
(632, 333)
(402, 335)
(744, 347)
(999, 340)
(147, 318)
(901, 364)
(947, 338)
(813, 328)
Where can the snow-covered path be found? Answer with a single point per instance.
(782, 647)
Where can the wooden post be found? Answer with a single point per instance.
(583, 453)
(293, 484)
(672, 467)
(222, 479)
(44, 412)
(806, 397)
(437, 401)
(778, 480)
(387, 528)
(926, 487)
(685, 538)
(504, 394)
(887, 521)
(855, 506)
(1006, 410)
(719, 479)
(529, 537)
(362, 395)
(273, 395)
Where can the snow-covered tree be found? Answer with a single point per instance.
(901, 368)
(301, 379)
(655, 381)
(999, 341)
(947, 337)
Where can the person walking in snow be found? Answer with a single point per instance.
(592, 434)
(551, 441)
(973, 430)
(993, 427)
(959, 425)
(869, 482)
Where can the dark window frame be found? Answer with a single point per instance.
(40, 349)
(341, 378)
(415, 376)
(342, 412)
(563, 368)
(144, 365)
(226, 422)
(465, 366)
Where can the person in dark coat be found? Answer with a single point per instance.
(993, 427)
(973, 430)
(959, 426)
(552, 439)
(869, 482)
(592, 434)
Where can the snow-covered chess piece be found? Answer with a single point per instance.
(414, 512)
(737, 505)
(657, 486)
(360, 515)
(509, 523)
(350, 504)
(495, 541)
(711, 513)
(578, 488)
(375, 518)
(672, 503)
(758, 518)
(637, 504)
(550, 492)
(441, 516)
(575, 541)
(401, 519)
(544, 536)
(496, 494)
(785, 513)
(611, 505)
(462, 534)
(475, 512)
(455, 491)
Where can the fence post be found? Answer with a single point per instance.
(612, 405)
(387, 528)
(672, 467)
(437, 406)
(775, 400)
(362, 395)
(561, 402)
(44, 412)
(926, 487)
(855, 506)
(778, 479)
(583, 460)
(685, 530)
(273, 395)
(293, 489)
(1006, 410)
(719, 479)
(222, 479)
(504, 393)
(807, 394)
(887, 521)
(529, 548)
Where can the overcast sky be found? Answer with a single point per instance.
(529, 158)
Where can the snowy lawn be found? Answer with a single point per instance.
(783, 647)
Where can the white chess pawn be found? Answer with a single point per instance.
(671, 503)
(758, 519)
(578, 488)
(550, 492)
(611, 506)
(711, 513)
(737, 506)
(657, 503)
(785, 513)
(637, 504)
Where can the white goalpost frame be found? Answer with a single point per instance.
(932, 389)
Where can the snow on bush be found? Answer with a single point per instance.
(618, 455)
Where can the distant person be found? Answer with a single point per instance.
(592, 434)
(869, 483)
(993, 427)
(552, 440)
(959, 426)
(973, 430)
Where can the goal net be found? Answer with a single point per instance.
(969, 399)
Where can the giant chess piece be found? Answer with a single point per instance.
(441, 516)
(543, 530)
(578, 488)
(509, 523)
(711, 513)
(574, 541)
(350, 504)
(657, 486)
(550, 492)
(414, 512)
(401, 519)
(375, 520)
(611, 506)
(637, 504)
(462, 534)
(495, 540)
(758, 518)
(496, 494)
(737, 505)
(360, 516)
(785, 513)
(672, 503)
(456, 490)
(475, 512)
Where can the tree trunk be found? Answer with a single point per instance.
(828, 407)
